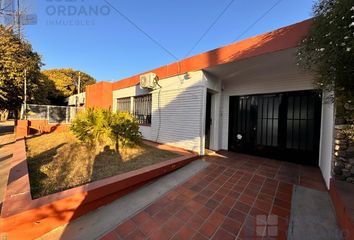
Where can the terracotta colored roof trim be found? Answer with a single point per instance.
(280, 39)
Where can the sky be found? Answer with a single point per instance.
(91, 36)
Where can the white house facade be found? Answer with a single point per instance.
(249, 97)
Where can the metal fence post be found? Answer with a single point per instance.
(21, 113)
(66, 114)
(48, 113)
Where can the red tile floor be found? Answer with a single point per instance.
(236, 197)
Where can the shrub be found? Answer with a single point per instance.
(91, 126)
(124, 129)
(99, 127)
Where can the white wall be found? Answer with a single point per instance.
(326, 140)
(146, 132)
(224, 122)
(76, 99)
(213, 85)
(178, 110)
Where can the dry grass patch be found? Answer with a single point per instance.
(57, 162)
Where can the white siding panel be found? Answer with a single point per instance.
(177, 117)
(146, 132)
(224, 122)
(177, 111)
(326, 141)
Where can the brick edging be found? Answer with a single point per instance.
(23, 216)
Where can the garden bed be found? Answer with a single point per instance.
(57, 161)
(23, 217)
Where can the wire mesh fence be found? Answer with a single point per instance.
(54, 114)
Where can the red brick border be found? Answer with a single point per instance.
(27, 127)
(25, 218)
(343, 217)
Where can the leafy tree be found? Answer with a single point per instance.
(65, 83)
(98, 127)
(18, 59)
(328, 51)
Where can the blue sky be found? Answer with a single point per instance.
(108, 47)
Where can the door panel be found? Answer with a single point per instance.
(242, 132)
(283, 125)
(267, 120)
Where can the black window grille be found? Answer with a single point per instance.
(142, 109)
(123, 104)
(301, 122)
(268, 120)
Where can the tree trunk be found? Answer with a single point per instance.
(117, 144)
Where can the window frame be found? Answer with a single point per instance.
(128, 102)
(146, 112)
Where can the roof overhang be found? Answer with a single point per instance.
(277, 40)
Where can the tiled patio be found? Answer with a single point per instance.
(230, 199)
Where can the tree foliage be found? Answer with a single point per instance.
(124, 129)
(16, 57)
(328, 50)
(17, 61)
(98, 127)
(65, 83)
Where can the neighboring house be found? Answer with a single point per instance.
(249, 97)
(76, 100)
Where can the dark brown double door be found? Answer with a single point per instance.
(283, 126)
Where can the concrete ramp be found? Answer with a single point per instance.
(312, 216)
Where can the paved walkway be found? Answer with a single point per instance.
(6, 139)
(87, 227)
(236, 197)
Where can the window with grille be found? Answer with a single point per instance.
(300, 122)
(123, 104)
(142, 109)
(268, 120)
